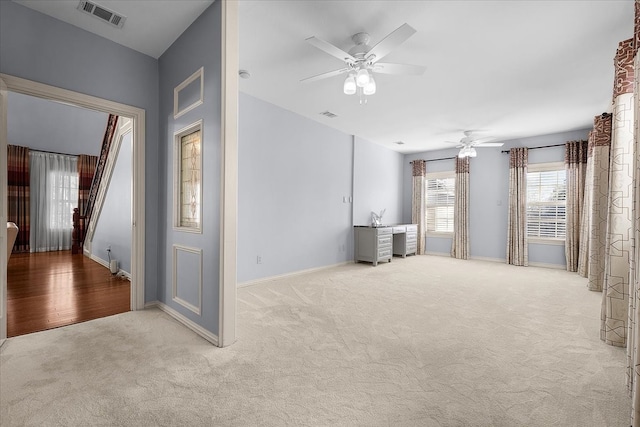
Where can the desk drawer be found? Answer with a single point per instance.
(384, 240)
(383, 231)
(411, 248)
(384, 253)
(400, 229)
(412, 229)
(412, 237)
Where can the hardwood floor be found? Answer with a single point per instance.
(52, 289)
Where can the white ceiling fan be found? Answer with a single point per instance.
(469, 142)
(361, 61)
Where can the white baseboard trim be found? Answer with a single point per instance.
(212, 338)
(437, 254)
(545, 265)
(484, 258)
(295, 273)
(106, 265)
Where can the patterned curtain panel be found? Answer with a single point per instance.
(615, 302)
(18, 195)
(517, 250)
(585, 220)
(599, 199)
(575, 161)
(633, 368)
(86, 170)
(417, 203)
(460, 244)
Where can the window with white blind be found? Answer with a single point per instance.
(546, 201)
(440, 196)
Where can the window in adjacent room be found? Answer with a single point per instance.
(546, 201)
(63, 191)
(440, 197)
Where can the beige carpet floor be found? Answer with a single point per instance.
(422, 341)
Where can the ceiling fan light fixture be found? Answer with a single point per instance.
(370, 88)
(350, 85)
(467, 151)
(362, 78)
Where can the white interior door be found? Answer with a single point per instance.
(3, 211)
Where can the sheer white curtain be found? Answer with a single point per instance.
(54, 195)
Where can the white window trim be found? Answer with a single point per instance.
(546, 167)
(553, 241)
(198, 75)
(177, 169)
(438, 175)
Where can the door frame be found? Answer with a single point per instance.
(137, 115)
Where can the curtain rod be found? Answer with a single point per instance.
(53, 152)
(435, 160)
(535, 148)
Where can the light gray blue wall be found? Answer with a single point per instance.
(377, 183)
(114, 224)
(293, 176)
(37, 47)
(198, 46)
(41, 124)
(489, 195)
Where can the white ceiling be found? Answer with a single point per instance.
(512, 69)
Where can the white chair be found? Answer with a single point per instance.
(12, 233)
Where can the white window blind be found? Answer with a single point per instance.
(440, 198)
(546, 201)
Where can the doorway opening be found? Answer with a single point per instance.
(137, 181)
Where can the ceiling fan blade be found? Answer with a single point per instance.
(324, 75)
(452, 142)
(406, 69)
(488, 144)
(393, 40)
(482, 140)
(331, 49)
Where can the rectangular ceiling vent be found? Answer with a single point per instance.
(102, 13)
(329, 114)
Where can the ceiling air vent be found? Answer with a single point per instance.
(102, 13)
(329, 114)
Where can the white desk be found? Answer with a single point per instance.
(376, 244)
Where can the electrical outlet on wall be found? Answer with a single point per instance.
(258, 259)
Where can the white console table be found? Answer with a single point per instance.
(377, 244)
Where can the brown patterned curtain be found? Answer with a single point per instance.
(460, 243)
(18, 206)
(86, 170)
(633, 369)
(575, 161)
(417, 203)
(616, 299)
(599, 199)
(517, 250)
(585, 220)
